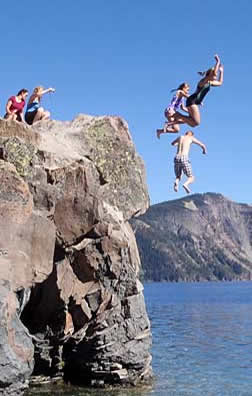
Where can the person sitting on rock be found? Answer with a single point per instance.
(181, 160)
(34, 112)
(15, 106)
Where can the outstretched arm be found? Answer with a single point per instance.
(196, 141)
(175, 142)
(217, 83)
(47, 90)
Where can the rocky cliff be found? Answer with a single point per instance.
(71, 303)
(199, 237)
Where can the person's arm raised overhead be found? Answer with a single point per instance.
(219, 82)
(217, 64)
(196, 141)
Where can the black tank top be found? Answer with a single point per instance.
(198, 96)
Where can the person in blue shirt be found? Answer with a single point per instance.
(34, 111)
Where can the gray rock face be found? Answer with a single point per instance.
(16, 349)
(71, 301)
(200, 237)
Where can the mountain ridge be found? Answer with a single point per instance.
(196, 238)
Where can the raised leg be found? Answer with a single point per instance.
(41, 115)
(193, 119)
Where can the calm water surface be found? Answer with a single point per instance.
(202, 341)
(202, 338)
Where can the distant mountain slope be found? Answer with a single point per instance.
(199, 237)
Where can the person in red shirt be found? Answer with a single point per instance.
(15, 106)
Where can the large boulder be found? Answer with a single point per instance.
(72, 304)
(26, 257)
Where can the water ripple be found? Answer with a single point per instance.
(202, 337)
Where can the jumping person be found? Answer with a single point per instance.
(181, 160)
(34, 112)
(177, 103)
(15, 106)
(209, 79)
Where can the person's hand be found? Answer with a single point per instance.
(52, 89)
(217, 58)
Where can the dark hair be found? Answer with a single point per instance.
(181, 86)
(22, 91)
(205, 73)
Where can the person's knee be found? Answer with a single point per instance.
(40, 111)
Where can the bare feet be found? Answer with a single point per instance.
(159, 131)
(187, 188)
(175, 187)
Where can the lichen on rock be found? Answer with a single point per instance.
(20, 154)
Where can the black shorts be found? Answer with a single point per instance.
(29, 116)
(18, 117)
(193, 99)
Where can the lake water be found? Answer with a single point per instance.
(202, 341)
(202, 338)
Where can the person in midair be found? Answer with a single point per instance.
(182, 163)
(34, 111)
(15, 106)
(177, 103)
(211, 77)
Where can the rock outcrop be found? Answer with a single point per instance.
(196, 238)
(71, 302)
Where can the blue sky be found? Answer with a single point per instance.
(122, 57)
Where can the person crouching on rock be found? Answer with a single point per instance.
(15, 106)
(34, 112)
